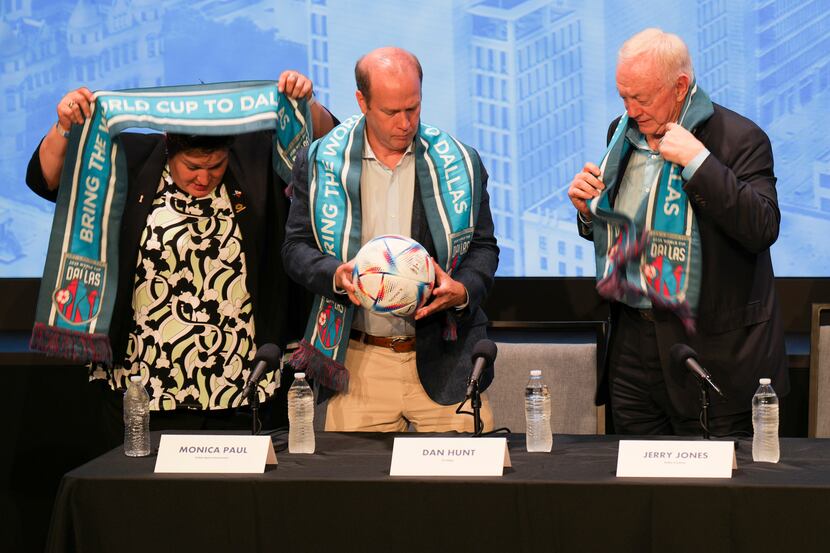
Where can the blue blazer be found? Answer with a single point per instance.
(443, 366)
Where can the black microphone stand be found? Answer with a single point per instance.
(704, 407)
(253, 401)
(475, 402)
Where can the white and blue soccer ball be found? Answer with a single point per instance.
(393, 275)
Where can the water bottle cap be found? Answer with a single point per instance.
(765, 381)
(299, 375)
(135, 378)
(536, 372)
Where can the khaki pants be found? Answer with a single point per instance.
(386, 395)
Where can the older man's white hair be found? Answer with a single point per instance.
(666, 49)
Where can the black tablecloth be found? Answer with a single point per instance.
(343, 499)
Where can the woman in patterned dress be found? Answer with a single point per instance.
(201, 282)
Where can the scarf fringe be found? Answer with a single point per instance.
(614, 287)
(450, 330)
(681, 310)
(320, 368)
(71, 344)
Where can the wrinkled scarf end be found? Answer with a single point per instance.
(613, 288)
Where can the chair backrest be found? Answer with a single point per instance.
(570, 371)
(819, 411)
(569, 368)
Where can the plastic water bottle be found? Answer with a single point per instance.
(300, 416)
(765, 424)
(537, 414)
(136, 419)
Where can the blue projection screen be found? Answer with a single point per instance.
(529, 83)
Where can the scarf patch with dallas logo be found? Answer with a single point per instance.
(80, 278)
(449, 174)
(663, 262)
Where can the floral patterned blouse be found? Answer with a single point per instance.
(193, 330)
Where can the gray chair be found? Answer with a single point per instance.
(569, 368)
(819, 409)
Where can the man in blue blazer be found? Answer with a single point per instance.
(725, 169)
(401, 370)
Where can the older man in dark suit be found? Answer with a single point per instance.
(716, 271)
(401, 370)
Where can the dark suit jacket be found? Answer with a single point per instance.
(740, 335)
(443, 366)
(252, 183)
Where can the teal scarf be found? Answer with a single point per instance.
(77, 292)
(664, 262)
(449, 176)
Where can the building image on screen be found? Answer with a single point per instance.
(528, 83)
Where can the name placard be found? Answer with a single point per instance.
(676, 459)
(449, 457)
(213, 453)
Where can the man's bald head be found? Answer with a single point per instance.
(388, 61)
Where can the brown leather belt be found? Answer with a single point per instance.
(398, 344)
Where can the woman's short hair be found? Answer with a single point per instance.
(199, 142)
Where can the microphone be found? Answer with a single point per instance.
(484, 354)
(267, 356)
(683, 355)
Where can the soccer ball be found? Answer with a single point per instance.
(393, 275)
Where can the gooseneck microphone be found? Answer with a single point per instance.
(267, 356)
(683, 356)
(484, 354)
